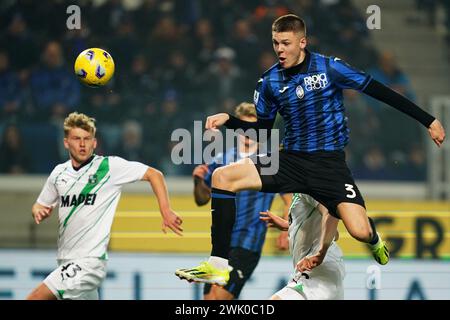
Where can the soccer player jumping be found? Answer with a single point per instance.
(306, 89)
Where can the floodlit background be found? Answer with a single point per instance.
(178, 61)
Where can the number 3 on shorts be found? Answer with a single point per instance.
(350, 188)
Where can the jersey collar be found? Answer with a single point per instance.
(84, 163)
(301, 67)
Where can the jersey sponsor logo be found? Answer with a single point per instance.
(93, 179)
(76, 200)
(256, 97)
(299, 92)
(316, 81)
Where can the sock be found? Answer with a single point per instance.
(375, 237)
(218, 262)
(223, 211)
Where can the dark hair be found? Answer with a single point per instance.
(289, 22)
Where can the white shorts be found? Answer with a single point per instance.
(324, 282)
(77, 279)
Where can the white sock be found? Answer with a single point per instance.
(218, 262)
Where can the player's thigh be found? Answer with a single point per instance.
(241, 175)
(331, 183)
(355, 220)
(41, 292)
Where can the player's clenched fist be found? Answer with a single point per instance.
(309, 263)
(200, 171)
(216, 121)
(437, 132)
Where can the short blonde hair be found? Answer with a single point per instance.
(79, 120)
(245, 109)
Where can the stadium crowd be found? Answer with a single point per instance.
(177, 61)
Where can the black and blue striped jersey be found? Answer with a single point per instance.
(309, 99)
(249, 232)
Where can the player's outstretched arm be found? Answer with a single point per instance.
(40, 212)
(202, 193)
(170, 218)
(329, 232)
(274, 221)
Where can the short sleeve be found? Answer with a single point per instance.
(347, 77)
(124, 171)
(49, 194)
(265, 107)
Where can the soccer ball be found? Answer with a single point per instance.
(94, 67)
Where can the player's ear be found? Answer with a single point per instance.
(303, 42)
(66, 143)
(95, 143)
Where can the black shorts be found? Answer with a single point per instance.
(244, 263)
(323, 175)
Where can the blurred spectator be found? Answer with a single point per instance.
(75, 41)
(146, 17)
(55, 90)
(266, 12)
(124, 44)
(428, 8)
(224, 79)
(178, 73)
(205, 41)
(166, 164)
(223, 13)
(245, 44)
(417, 168)
(108, 16)
(10, 90)
(389, 73)
(131, 146)
(265, 62)
(140, 88)
(20, 45)
(363, 123)
(165, 38)
(106, 106)
(374, 165)
(14, 157)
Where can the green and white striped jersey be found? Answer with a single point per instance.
(305, 229)
(87, 200)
